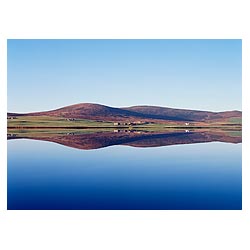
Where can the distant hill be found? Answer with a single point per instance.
(92, 111)
(183, 114)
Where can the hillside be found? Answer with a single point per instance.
(182, 114)
(142, 113)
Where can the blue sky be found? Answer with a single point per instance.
(191, 74)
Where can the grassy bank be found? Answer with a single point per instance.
(59, 123)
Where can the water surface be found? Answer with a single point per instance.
(135, 175)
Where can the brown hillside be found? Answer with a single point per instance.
(143, 113)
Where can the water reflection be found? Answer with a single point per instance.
(99, 139)
(137, 172)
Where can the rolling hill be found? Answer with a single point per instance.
(99, 112)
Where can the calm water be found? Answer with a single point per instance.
(46, 175)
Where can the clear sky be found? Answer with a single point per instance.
(192, 74)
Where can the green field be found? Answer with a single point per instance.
(235, 120)
(48, 121)
(43, 122)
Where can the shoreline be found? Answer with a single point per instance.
(124, 127)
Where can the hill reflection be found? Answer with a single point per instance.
(95, 140)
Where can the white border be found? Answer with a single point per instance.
(125, 229)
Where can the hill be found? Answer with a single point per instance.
(99, 112)
(183, 114)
